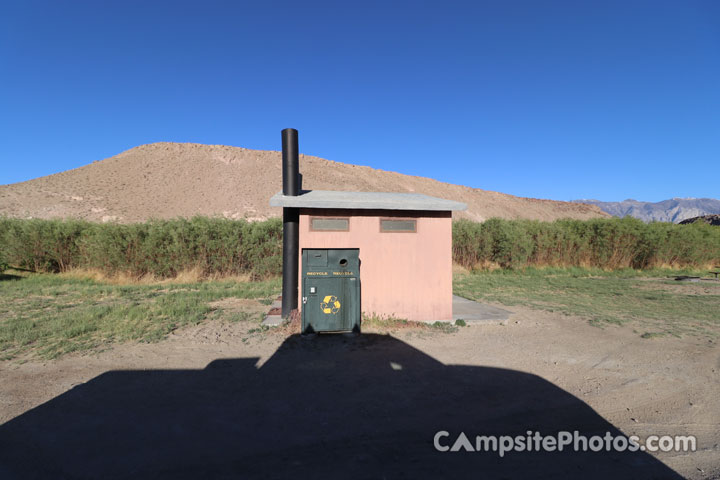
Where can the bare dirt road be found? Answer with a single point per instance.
(220, 401)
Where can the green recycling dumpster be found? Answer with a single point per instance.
(330, 290)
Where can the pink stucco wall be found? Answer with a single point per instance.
(408, 275)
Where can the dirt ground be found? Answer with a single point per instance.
(541, 370)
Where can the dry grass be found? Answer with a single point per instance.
(193, 275)
(372, 323)
(48, 315)
(291, 327)
(387, 324)
(650, 301)
(676, 266)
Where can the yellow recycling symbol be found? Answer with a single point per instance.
(330, 304)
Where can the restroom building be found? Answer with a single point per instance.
(403, 243)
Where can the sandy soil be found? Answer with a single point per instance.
(663, 386)
(167, 180)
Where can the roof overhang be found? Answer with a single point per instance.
(365, 201)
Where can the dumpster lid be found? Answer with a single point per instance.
(365, 200)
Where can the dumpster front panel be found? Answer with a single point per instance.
(330, 290)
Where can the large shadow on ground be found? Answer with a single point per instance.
(324, 407)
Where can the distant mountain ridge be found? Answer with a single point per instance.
(673, 210)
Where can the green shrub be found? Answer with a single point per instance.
(602, 243)
(221, 247)
(162, 248)
(41, 245)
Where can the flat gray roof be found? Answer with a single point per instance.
(365, 200)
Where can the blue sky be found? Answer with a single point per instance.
(549, 99)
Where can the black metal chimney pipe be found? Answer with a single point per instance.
(291, 220)
(290, 169)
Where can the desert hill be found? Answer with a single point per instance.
(167, 180)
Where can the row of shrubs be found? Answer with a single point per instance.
(162, 248)
(603, 243)
(219, 247)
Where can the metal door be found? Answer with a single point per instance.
(330, 290)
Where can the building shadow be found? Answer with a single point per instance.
(331, 406)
